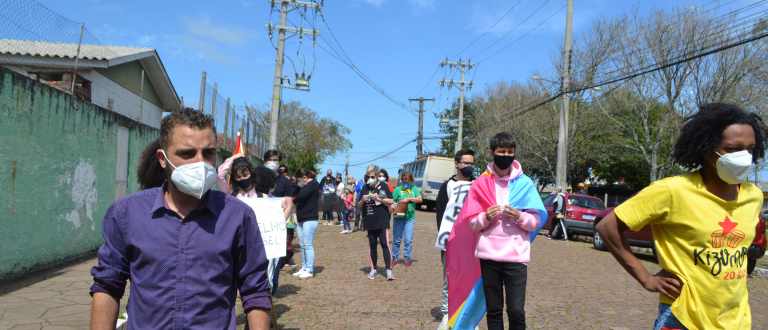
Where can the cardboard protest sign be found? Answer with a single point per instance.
(271, 220)
(457, 193)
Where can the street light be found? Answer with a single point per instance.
(540, 79)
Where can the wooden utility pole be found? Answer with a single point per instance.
(202, 93)
(419, 145)
(561, 175)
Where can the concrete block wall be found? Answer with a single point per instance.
(57, 172)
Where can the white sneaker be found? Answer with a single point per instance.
(444, 323)
(306, 275)
(299, 273)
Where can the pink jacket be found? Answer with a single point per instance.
(501, 239)
(224, 187)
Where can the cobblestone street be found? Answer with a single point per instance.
(570, 286)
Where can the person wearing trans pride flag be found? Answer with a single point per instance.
(489, 246)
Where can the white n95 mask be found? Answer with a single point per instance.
(733, 168)
(193, 179)
(272, 165)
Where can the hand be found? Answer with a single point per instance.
(240, 155)
(284, 204)
(665, 283)
(493, 212)
(406, 200)
(375, 197)
(511, 213)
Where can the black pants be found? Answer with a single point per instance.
(501, 278)
(328, 215)
(381, 236)
(357, 219)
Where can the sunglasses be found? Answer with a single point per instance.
(370, 177)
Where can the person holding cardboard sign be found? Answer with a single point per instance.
(406, 196)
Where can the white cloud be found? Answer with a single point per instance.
(204, 28)
(420, 5)
(206, 50)
(245, 3)
(377, 3)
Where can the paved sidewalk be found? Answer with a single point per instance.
(51, 300)
(570, 286)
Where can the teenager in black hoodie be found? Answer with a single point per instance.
(306, 216)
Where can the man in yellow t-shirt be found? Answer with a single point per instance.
(702, 222)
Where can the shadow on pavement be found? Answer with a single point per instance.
(20, 281)
(286, 290)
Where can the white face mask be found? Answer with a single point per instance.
(372, 181)
(272, 165)
(734, 168)
(193, 179)
(382, 179)
(302, 184)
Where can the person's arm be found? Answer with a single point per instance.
(611, 230)
(288, 202)
(251, 273)
(386, 201)
(441, 203)
(304, 194)
(110, 275)
(529, 220)
(258, 318)
(104, 311)
(416, 198)
(484, 219)
(221, 179)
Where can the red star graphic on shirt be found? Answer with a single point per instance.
(727, 225)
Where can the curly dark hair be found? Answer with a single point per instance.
(240, 165)
(702, 132)
(264, 179)
(149, 173)
(188, 117)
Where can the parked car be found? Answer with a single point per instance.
(644, 238)
(580, 213)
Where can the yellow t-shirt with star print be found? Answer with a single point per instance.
(704, 241)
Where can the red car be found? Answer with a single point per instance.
(644, 238)
(580, 214)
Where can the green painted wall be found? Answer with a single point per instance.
(57, 172)
(128, 75)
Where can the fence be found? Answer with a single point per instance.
(49, 48)
(229, 118)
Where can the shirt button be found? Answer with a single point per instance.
(180, 279)
(178, 308)
(182, 250)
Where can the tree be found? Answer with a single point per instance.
(303, 134)
(448, 143)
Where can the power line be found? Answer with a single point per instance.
(486, 31)
(522, 36)
(515, 28)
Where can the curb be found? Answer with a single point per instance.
(759, 272)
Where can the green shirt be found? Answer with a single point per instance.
(400, 194)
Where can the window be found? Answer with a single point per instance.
(548, 199)
(581, 201)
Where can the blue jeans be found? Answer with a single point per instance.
(306, 231)
(403, 230)
(276, 275)
(667, 319)
(346, 220)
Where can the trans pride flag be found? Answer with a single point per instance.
(466, 300)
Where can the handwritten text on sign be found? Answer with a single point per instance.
(457, 193)
(271, 220)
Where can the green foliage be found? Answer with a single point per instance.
(308, 161)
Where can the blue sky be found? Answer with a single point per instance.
(397, 43)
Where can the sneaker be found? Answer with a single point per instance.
(290, 262)
(394, 262)
(549, 236)
(564, 240)
(407, 263)
(306, 275)
(390, 276)
(372, 275)
(444, 323)
(298, 273)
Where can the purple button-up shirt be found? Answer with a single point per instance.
(184, 273)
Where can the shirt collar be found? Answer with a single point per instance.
(160, 202)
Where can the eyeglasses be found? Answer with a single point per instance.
(370, 177)
(467, 163)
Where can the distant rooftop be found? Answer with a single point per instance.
(64, 50)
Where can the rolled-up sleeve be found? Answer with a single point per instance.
(252, 265)
(113, 271)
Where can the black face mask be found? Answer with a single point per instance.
(502, 161)
(244, 183)
(467, 171)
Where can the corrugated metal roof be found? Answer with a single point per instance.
(61, 50)
(763, 185)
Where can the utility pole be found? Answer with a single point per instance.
(77, 57)
(463, 65)
(421, 123)
(298, 5)
(202, 93)
(346, 169)
(561, 175)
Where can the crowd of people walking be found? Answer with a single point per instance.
(208, 240)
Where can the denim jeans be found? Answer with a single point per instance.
(345, 219)
(306, 231)
(667, 319)
(403, 230)
(276, 275)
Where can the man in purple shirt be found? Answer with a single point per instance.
(185, 248)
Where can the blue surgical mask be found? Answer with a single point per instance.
(406, 185)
